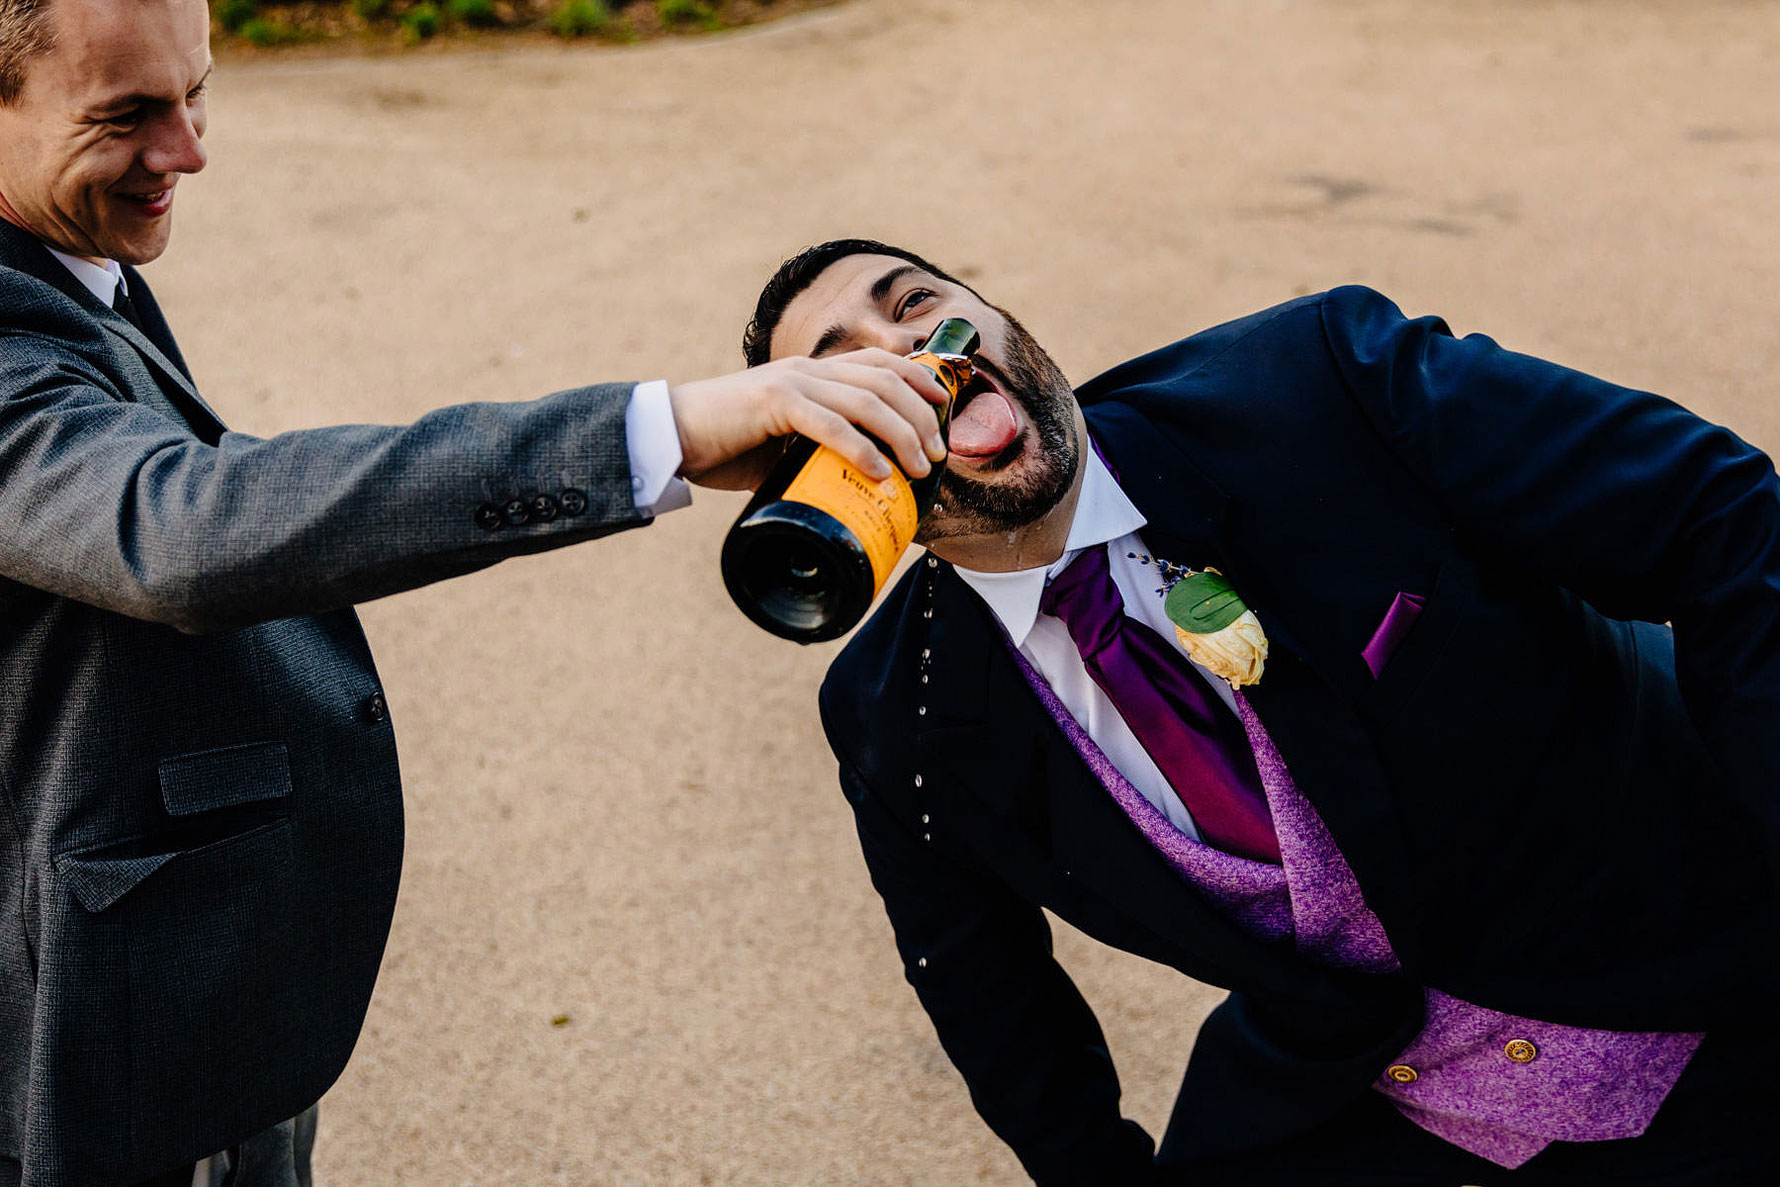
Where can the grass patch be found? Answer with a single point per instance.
(264, 32)
(478, 14)
(235, 15)
(374, 25)
(420, 22)
(687, 13)
(578, 18)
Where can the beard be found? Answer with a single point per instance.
(1040, 464)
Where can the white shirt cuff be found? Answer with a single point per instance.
(653, 442)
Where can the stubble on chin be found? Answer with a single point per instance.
(1047, 453)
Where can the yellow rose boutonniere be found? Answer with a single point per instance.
(1218, 632)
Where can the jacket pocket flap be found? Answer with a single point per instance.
(211, 779)
(98, 882)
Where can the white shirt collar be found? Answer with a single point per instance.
(1102, 513)
(102, 279)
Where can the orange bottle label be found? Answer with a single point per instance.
(879, 513)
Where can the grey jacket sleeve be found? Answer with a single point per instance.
(114, 503)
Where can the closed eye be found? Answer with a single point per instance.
(132, 110)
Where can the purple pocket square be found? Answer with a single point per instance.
(1405, 609)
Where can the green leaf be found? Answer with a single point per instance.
(1203, 603)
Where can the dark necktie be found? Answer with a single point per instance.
(121, 304)
(1193, 738)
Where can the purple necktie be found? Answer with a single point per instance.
(1193, 738)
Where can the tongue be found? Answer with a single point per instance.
(986, 426)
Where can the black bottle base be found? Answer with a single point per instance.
(797, 572)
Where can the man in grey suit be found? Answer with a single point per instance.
(200, 813)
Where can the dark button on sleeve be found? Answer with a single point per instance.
(544, 508)
(488, 517)
(517, 512)
(376, 708)
(572, 501)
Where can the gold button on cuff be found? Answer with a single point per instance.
(1520, 1051)
(1402, 1073)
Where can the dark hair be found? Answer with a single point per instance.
(796, 274)
(25, 32)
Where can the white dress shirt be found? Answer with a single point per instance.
(102, 279)
(653, 441)
(1104, 517)
(650, 435)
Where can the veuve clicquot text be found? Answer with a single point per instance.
(819, 538)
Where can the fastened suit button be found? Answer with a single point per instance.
(572, 501)
(1521, 1051)
(488, 517)
(544, 508)
(517, 512)
(1402, 1073)
(376, 707)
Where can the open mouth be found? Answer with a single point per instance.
(983, 419)
(155, 203)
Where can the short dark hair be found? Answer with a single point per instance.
(796, 274)
(25, 32)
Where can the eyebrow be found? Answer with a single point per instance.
(141, 99)
(834, 335)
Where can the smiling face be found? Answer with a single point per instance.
(1016, 433)
(107, 121)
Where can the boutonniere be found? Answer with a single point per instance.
(1216, 630)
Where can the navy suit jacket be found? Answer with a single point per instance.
(200, 811)
(1557, 807)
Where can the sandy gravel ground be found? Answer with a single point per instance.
(621, 809)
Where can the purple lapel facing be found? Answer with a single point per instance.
(1253, 893)
(1329, 747)
(1313, 899)
(1331, 921)
(987, 738)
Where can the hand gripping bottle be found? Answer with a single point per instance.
(819, 539)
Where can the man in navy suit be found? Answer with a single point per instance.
(1484, 851)
(200, 810)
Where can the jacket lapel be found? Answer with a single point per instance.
(986, 728)
(978, 724)
(179, 397)
(1323, 741)
(1186, 511)
(154, 324)
(985, 724)
(154, 342)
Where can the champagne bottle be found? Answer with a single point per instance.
(819, 539)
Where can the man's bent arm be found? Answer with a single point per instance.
(112, 503)
(1011, 1020)
(1627, 499)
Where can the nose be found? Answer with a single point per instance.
(178, 145)
(895, 338)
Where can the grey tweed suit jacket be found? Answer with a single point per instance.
(200, 811)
